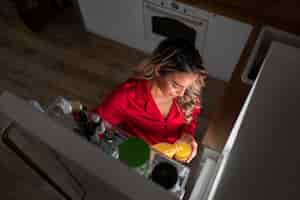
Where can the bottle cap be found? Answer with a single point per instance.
(95, 118)
(76, 106)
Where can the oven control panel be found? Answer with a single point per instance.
(179, 7)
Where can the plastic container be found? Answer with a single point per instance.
(135, 153)
(165, 174)
(60, 106)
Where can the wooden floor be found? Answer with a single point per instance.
(65, 60)
(70, 63)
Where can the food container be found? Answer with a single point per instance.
(135, 153)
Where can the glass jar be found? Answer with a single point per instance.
(135, 153)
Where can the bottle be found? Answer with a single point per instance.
(78, 112)
(99, 133)
(59, 107)
(107, 142)
(65, 106)
(93, 124)
(76, 106)
(82, 119)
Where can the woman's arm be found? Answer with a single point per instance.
(188, 133)
(113, 107)
(190, 128)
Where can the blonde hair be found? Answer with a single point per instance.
(170, 58)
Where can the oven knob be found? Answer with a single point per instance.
(174, 5)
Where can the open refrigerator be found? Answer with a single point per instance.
(254, 154)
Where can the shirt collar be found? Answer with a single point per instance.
(145, 90)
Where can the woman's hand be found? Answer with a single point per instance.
(190, 140)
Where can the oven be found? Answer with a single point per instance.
(167, 18)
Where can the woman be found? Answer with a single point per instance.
(163, 100)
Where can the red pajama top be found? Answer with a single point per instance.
(132, 106)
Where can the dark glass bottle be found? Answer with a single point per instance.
(93, 124)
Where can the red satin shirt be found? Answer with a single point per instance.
(132, 106)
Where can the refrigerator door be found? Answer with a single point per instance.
(263, 162)
(109, 178)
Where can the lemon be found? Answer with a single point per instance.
(165, 148)
(183, 150)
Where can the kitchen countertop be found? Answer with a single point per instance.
(282, 14)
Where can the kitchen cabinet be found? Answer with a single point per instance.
(226, 39)
(118, 20)
(222, 39)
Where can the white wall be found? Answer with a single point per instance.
(226, 39)
(119, 20)
(122, 21)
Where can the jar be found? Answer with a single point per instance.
(165, 174)
(135, 153)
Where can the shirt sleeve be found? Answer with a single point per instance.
(112, 108)
(190, 128)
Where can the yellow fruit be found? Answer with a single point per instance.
(183, 151)
(166, 149)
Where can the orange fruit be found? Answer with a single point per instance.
(183, 151)
(165, 148)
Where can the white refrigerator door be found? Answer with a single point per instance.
(114, 180)
(264, 160)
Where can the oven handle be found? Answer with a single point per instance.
(175, 15)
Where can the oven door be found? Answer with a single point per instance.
(160, 22)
